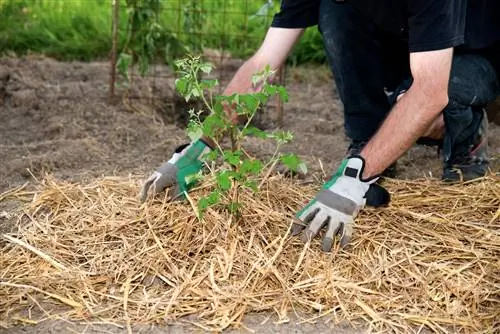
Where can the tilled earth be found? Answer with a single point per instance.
(57, 118)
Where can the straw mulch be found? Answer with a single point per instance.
(431, 260)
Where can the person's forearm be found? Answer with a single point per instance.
(241, 84)
(408, 120)
(242, 80)
(273, 52)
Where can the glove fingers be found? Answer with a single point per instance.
(319, 220)
(145, 188)
(331, 232)
(178, 193)
(305, 217)
(297, 228)
(346, 234)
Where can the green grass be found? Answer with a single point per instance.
(81, 29)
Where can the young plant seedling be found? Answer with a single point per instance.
(238, 170)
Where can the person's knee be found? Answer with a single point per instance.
(473, 81)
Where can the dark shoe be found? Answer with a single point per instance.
(468, 159)
(356, 147)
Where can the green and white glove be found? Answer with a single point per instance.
(185, 161)
(338, 203)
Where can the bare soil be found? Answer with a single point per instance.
(56, 118)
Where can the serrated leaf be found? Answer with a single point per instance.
(251, 185)
(253, 131)
(193, 178)
(250, 103)
(181, 85)
(282, 137)
(194, 133)
(210, 156)
(283, 94)
(232, 158)
(270, 90)
(196, 92)
(302, 167)
(218, 107)
(223, 181)
(213, 198)
(290, 160)
(263, 98)
(208, 84)
(212, 124)
(206, 68)
(203, 204)
(256, 79)
(253, 166)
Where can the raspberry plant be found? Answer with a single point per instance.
(239, 169)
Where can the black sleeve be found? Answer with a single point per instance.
(436, 24)
(297, 14)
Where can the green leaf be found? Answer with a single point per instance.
(213, 198)
(232, 99)
(206, 68)
(203, 204)
(251, 185)
(250, 103)
(223, 181)
(283, 94)
(253, 166)
(207, 201)
(291, 161)
(193, 178)
(263, 98)
(253, 131)
(208, 84)
(282, 137)
(232, 158)
(194, 131)
(302, 168)
(218, 107)
(212, 124)
(123, 64)
(181, 85)
(195, 91)
(270, 90)
(210, 156)
(256, 79)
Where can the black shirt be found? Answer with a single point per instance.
(429, 24)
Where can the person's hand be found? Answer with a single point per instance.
(338, 203)
(185, 161)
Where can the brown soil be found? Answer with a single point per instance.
(56, 118)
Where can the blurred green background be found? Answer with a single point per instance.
(81, 29)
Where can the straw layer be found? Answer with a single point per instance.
(431, 260)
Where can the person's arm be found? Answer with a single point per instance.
(273, 52)
(413, 113)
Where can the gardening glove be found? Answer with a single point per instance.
(338, 203)
(185, 161)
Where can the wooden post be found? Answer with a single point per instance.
(115, 17)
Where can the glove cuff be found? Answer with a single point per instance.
(354, 166)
